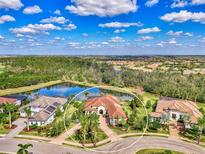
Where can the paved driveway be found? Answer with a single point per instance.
(20, 122)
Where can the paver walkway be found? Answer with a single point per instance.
(173, 131)
(20, 122)
(112, 135)
(61, 138)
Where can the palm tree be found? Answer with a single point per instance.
(94, 126)
(24, 148)
(84, 127)
(28, 114)
(10, 108)
(200, 128)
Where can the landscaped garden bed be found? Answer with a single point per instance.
(157, 151)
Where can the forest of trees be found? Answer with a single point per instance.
(23, 71)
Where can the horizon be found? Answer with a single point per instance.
(117, 27)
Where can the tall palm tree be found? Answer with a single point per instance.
(200, 128)
(28, 114)
(9, 108)
(84, 121)
(94, 126)
(24, 148)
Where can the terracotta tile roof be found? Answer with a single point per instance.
(179, 105)
(155, 114)
(4, 100)
(110, 103)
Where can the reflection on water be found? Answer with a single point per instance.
(66, 90)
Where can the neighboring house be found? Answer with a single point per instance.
(5, 100)
(43, 109)
(20, 98)
(106, 105)
(170, 109)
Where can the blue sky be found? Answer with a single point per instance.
(102, 27)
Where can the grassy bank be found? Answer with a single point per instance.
(28, 88)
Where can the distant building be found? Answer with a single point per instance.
(43, 109)
(106, 105)
(170, 109)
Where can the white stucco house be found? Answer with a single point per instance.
(43, 109)
(170, 109)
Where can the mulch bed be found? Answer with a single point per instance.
(12, 127)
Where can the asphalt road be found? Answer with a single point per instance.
(10, 145)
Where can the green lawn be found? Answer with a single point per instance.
(100, 136)
(3, 130)
(157, 151)
(1, 68)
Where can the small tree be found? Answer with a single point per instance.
(200, 128)
(10, 108)
(58, 112)
(94, 123)
(148, 104)
(28, 114)
(24, 148)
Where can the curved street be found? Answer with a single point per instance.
(10, 145)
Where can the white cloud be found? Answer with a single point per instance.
(184, 16)
(85, 34)
(151, 3)
(11, 4)
(34, 29)
(59, 20)
(117, 31)
(19, 35)
(32, 10)
(178, 33)
(120, 24)
(70, 27)
(105, 43)
(198, 2)
(117, 39)
(172, 41)
(145, 38)
(172, 33)
(1, 37)
(6, 18)
(102, 8)
(73, 44)
(148, 30)
(179, 3)
(57, 12)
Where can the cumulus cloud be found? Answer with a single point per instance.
(120, 24)
(179, 3)
(11, 4)
(6, 18)
(178, 33)
(117, 31)
(198, 2)
(148, 30)
(32, 10)
(151, 3)
(59, 20)
(57, 12)
(74, 44)
(184, 16)
(1, 37)
(70, 27)
(35, 29)
(145, 38)
(102, 8)
(117, 39)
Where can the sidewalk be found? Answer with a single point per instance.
(20, 122)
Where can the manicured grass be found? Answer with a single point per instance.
(3, 130)
(28, 88)
(33, 133)
(157, 151)
(100, 136)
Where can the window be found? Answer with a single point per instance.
(173, 116)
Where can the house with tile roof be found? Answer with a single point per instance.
(170, 109)
(5, 100)
(106, 105)
(43, 109)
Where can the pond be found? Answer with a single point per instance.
(66, 90)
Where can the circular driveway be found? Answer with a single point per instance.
(10, 145)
